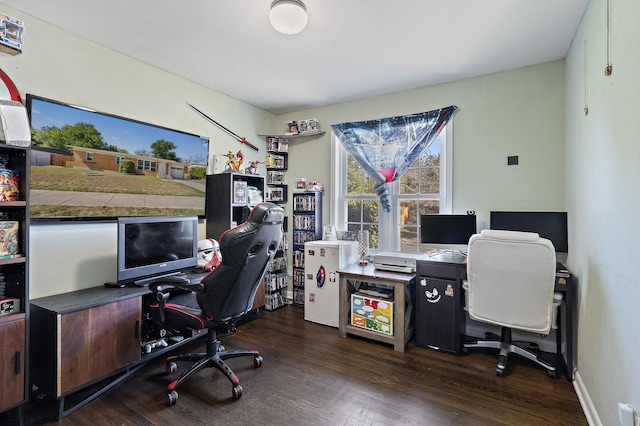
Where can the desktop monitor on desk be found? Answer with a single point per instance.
(549, 225)
(446, 231)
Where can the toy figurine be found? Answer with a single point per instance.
(253, 167)
(234, 162)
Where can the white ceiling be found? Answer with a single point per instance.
(351, 49)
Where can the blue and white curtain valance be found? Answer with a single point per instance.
(386, 147)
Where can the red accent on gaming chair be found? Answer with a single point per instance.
(223, 296)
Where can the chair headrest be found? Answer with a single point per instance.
(509, 235)
(267, 213)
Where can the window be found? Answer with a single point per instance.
(424, 188)
(89, 156)
(119, 159)
(147, 165)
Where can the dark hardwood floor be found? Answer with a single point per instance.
(311, 376)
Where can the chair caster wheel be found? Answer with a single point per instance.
(552, 374)
(237, 392)
(172, 398)
(171, 367)
(257, 361)
(499, 372)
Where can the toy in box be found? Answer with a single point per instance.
(9, 238)
(372, 314)
(9, 189)
(11, 33)
(9, 305)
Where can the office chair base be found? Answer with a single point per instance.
(215, 357)
(506, 346)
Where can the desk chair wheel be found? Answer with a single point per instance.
(236, 392)
(172, 367)
(257, 361)
(172, 398)
(552, 374)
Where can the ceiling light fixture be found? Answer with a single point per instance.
(288, 16)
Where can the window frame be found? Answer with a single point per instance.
(388, 223)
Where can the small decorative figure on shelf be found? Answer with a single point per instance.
(253, 167)
(234, 162)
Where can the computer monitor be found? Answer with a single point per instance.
(549, 225)
(446, 231)
(155, 246)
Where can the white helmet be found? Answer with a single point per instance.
(207, 249)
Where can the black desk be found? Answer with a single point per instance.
(447, 270)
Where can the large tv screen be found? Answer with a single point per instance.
(86, 163)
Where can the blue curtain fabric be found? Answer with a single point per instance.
(386, 147)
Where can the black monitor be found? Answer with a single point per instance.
(447, 231)
(549, 225)
(155, 246)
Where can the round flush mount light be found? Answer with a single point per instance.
(288, 16)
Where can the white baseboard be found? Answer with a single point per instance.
(585, 401)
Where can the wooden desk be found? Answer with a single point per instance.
(351, 276)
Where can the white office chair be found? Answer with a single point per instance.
(510, 282)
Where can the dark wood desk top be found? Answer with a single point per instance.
(87, 298)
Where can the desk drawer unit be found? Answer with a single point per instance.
(439, 315)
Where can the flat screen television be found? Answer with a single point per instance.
(549, 225)
(78, 152)
(447, 231)
(155, 246)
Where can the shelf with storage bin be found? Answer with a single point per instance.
(307, 226)
(14, 283)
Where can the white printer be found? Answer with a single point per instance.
(397, 261)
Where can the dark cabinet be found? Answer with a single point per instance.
(439, 302)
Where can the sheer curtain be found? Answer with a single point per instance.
(386, 147)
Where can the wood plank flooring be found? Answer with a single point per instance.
(311, 376)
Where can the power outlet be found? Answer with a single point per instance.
(627, 414)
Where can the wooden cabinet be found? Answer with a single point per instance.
(12, 360)
(14, 282)
(73, 346)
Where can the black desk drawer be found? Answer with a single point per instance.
(437, 271)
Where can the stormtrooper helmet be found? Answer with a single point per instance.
(208, 250)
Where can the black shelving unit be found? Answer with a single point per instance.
(14, 280)
(307, 226)
(228, 202)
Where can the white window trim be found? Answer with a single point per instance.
(388, 221)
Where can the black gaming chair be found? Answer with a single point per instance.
(222, 297)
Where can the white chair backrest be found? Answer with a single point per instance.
(511, 277)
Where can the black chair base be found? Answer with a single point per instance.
(507, 346)
(214, 357)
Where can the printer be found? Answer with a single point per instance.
(397, 261)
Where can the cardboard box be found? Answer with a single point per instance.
(372, 313)
(9, 305)
(11, 34)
